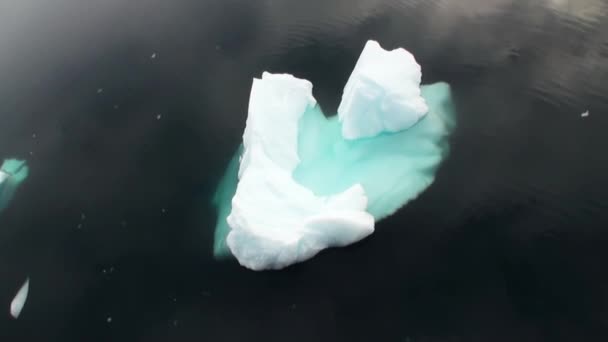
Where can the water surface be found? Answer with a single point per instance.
(113, 225)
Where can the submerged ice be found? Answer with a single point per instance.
(301, 182)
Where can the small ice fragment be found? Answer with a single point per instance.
(109, 319)
(585, 114)
(12, 173)
(31, 153)
(34, 135)
(79, 226)
(175, 322)
(153, 56)
(19, 300)
(83, 216)
(163, 210)
(123, 223)
(115, 106)
(158, 117)
(99, 90)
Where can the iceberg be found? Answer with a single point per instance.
(12, 173)
(301, 182)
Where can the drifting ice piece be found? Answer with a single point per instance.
(12, 173)
(19, 300)
(275, 221)
(382, 93)
(302, 182)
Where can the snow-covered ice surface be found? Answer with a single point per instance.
(382, 93)
(274, 220)
(301, 182)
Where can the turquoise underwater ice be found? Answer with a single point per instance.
(12, 173)
(393, 168)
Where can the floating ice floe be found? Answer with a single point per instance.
(12, 173)
(19, 300)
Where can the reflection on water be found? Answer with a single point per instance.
(583, 11)
(507, 245)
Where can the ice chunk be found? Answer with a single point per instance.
(12, 173)
(19, 300)
(585, 114)
(382, 93)
(274, 221)
(297, 185)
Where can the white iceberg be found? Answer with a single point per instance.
(302, 182)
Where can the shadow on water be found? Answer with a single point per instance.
(114, 230)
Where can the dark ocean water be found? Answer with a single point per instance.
(509, 244)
